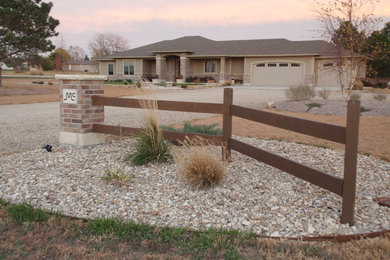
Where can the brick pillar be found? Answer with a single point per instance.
(77, 114)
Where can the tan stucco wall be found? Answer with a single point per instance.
(237, 66)
(149, 67)
(198, 67)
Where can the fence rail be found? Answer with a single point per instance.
(345, 187)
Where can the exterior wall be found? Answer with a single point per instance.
(248, 65)
(104, 67)
(198, 68)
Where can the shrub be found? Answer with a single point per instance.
(324, 94)
(184, 86)
(381, 85)
(196, 129)
(150, 144)
(116, 176)
(300, 93)
(355, 96)
(311, 105)
(200, 166)
(358, 85)
(380, 97)
(363, 109)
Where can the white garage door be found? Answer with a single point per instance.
(277, 74)
(327, 75)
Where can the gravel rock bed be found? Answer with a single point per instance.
(252, 195)
(334, 107)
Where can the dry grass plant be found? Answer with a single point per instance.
(300, 93)
(324, 94)
(150, 145)
(201, 167)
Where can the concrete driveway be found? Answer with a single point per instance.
(26, 127)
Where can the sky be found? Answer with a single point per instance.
(143, 22)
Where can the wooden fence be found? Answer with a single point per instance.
(344, 187)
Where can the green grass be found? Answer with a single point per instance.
(62, 237)
(25, 213)
(118, 82)
(196, 129)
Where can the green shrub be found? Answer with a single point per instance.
(363, 109)
(300, 93)
(381, 85)
(184, 86)
(324, 94)
(380, 97)
(196, 129)
(311, 105)
(150, 144)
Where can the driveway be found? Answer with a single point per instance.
(26, 127)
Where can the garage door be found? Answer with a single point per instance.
(277, 74)
(328, 75)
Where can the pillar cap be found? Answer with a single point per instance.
(79, 77)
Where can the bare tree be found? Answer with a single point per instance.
(76, 52)
(103, 44)
(347, 23)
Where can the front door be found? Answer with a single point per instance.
(173, 67)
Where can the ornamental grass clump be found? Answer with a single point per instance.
(150, 144)
(201, 167)
(300, 93)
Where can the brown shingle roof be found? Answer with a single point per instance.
(200, 46)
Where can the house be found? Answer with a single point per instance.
(81, 65)
(5, 67)
(270, 62)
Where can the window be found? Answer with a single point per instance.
(295, 65)
(328, 64)
(211, 66)
(110, 69)
(271, 64)
(283, 64)
(260, 65)
(128, 68)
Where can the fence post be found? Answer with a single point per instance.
(77, 112)
(227, 123)
(350, 162)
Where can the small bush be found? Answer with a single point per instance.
(381, 85)
(150, 144)
(184, 86)
(196, 129)
(201, 167)
(227, 84)
(38, 82)
(311, 105)
(116, 177)
(300, 93)
(380, 97)
(355, 96)
(358, 85)
(363, 109)
(324, 94)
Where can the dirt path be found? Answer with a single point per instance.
(373, 137)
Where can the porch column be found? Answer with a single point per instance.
(161, 68)
(185, 67)
(222, 71)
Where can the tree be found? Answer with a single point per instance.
(25, 26)
(103, 44)
(76, 52)
(378, 48)
(58, 57)
(347, 23)
(86, 57)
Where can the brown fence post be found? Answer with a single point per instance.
(227, 123)
(350, 162)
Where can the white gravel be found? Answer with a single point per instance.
(252, 196)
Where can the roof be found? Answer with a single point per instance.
(200, 46)
(81, 62)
